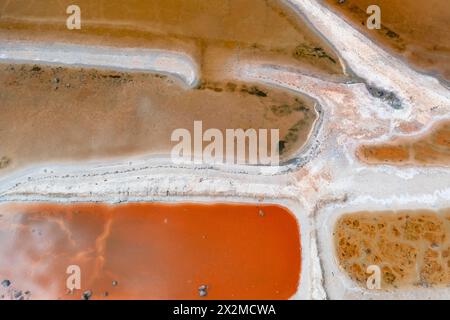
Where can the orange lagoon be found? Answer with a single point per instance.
(150, 251)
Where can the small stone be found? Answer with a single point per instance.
(115, 283)
(261, 213)
(203, 291)
(6, 283)
(18, 295)
(87, 295)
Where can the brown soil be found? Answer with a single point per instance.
(215, 32)
(416, 30)
(51, 114)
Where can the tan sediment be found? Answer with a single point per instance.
(417, 30)
(215, 33)
(411, 247)
(52, 114)
(430, 149)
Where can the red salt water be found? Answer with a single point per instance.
(151, 250)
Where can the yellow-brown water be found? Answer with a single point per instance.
(430, 149)
(417, 30)
(50, 114)
(411, 247)
(216, 33)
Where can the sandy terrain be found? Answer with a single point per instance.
(83, 114)
(381, 99)
(415, 30)
(215, 33)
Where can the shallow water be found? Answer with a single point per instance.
(81, 114)
(218, 34)
(411, 248)
(152, 251)
(430, 149)
(416, 30)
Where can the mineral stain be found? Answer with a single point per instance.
(411, 247)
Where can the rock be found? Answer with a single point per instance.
(87, 295)
(203, 291)
(18, 295)
(386, 96)
(6, 283)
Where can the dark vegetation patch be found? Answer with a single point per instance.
(285, 109)
(232, 87)
(253, 90)
(307, 51)
(291, 136)
(4, 162)
(387, 96)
